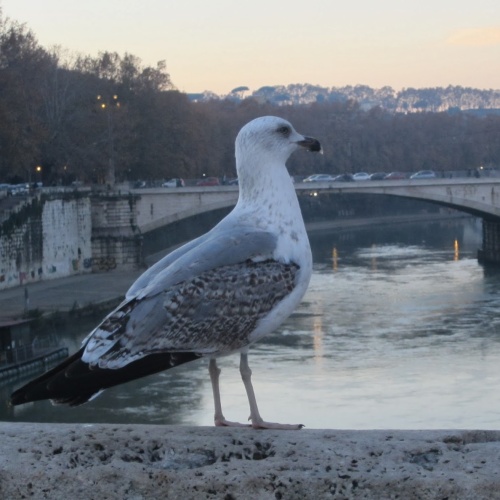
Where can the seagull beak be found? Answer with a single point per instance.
(311, 144)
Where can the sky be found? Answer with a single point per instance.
(218, 45)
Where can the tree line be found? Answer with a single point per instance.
(65, 119)
(453, 97)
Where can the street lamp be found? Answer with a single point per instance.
(107, 105)
(38, 170)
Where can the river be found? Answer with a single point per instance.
(399, 329)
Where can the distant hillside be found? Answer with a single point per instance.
(408, 100)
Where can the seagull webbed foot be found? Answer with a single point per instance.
(222, 422)
(262, 424)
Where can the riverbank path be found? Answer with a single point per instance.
(65, 294)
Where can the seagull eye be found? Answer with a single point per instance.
(284, 130)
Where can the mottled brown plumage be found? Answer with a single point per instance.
(227, 302)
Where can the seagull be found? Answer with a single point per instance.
(213, 296)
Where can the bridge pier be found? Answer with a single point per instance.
(490, 253)
(116, 239)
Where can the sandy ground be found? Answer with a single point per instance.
(43, 461)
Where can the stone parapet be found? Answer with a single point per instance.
(145, 462)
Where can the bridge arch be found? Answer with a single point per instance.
(479, 197)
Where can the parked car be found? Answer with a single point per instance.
(378, 176)
(208, 181)
(324, 178)
(361, 176)
(311, 178)
(172, 183)
(424, 174)
(233, 182)
(343, 178)
(395, 176)
(319, 178)
(18, 189)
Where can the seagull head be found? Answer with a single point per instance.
(271, 139)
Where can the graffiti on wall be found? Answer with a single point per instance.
(104, 263)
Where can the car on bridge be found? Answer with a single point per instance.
(319, 178)
(395, 176)
(378, 176)
(424, 174)
(209, 181)
(172, 183)
(361, 176)
(343, 178)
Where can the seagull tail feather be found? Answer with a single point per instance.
(75, 382)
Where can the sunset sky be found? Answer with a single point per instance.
(222, 44)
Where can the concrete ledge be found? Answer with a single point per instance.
(145, 462)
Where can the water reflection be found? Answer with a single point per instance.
(398, 330)
(335, 259)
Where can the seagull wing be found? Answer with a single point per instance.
(145, 278)
(207, 301)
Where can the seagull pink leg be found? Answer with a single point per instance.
(257, 421)
(219, 419)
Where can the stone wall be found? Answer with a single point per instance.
(116, 239)
(45, 238)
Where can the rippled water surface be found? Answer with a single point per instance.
(399, 329)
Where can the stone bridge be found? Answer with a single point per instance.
(158, 207)
(162, 206)
(480, 197)
(104, 230)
